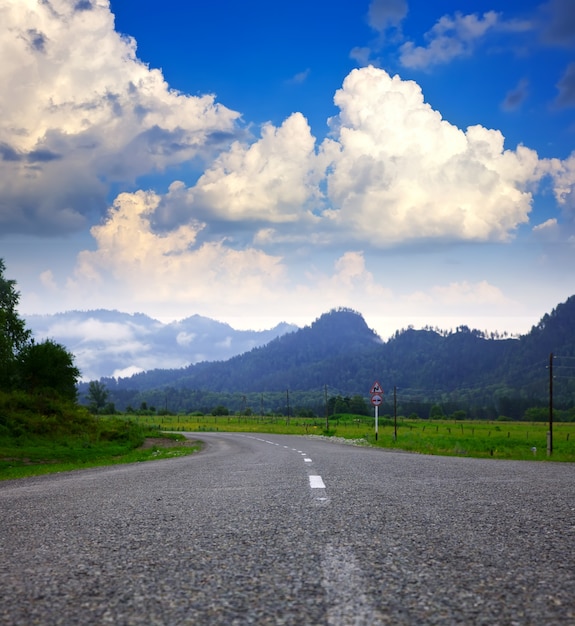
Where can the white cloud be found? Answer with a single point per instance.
(126, 372)
(90, 330)
(392, 172)
(562, 173)
(48, 281)
(74, 120)
(403, 173)
(171, 266)
(450, 37)
(349, 282)
(272, 180)
(465, 293)
(185, 339)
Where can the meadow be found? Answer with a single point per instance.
(482, 439)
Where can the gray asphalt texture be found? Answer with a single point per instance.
(236, 535)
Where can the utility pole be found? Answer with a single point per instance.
(287, 396)
(326, 410)
(395, 413)
(550, 431)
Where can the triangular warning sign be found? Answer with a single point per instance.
(376, 389)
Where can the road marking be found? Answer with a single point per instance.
(316, 482)
(307, 460)
(344, 584)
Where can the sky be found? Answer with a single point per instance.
(258, 162)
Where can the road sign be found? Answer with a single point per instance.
(376, 389)
(376, 399)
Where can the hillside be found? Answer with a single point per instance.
(340, 351)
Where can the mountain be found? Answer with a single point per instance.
(340, 351)
(295, 360)
(113, 344)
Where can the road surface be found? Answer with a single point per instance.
(270, 529)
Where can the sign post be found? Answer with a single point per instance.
(376, 393)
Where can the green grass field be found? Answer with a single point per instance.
(498, 440)
(119, 439)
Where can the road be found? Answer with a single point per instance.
(270, 529)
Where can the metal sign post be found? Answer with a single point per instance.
(376, 392)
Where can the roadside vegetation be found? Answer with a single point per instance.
(499, 439)
(45, 436)
(42, 427)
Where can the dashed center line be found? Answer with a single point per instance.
(316, 482)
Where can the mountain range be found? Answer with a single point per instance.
(112, 344)
(339, 351)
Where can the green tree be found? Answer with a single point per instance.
(47, 365)
(358, 406)
(436, 412)
(13, 333)
(97, 396)
(220, 410)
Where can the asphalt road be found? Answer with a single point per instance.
(266, 529)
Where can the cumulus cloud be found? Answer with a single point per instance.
(393, 171)
(171, 265)
(74, 120)
(403, 173)
(274, 180)
(350, 281)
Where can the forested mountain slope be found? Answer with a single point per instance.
(339, 350)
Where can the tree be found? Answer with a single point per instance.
(47, 365)
(436, 412)
(13, 333)
(97, 396)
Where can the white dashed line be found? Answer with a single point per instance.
(316, 482)
(307, 460)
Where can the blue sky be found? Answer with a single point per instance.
(257, 162)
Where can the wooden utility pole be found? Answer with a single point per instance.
(326, 411)
(550, 431)
(395, 413)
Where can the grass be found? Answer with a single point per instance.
(497, 440)
(35, 457)
(33, 444)
(59, 436)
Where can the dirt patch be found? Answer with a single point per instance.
(165, 442)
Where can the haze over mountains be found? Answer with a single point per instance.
(113, 344)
